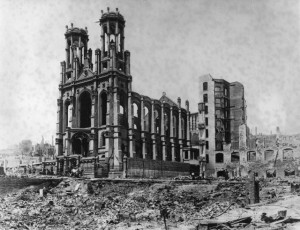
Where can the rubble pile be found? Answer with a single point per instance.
(81, 204)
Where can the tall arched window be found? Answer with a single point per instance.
(66, 115)
(85, 105)
(103, 108)
(146, 119)
(174, 126)
(182, 129)
(135, 110)
(103, 139)
(136, 117)
(167, 124)
(157, 122)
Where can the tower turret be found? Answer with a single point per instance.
(112, 42)
(76, 48)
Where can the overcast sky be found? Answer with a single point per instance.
(172, 43)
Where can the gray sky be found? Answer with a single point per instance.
(172, 43)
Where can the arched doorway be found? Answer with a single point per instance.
(80, 144)
(85, 109)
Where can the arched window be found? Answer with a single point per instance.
(85, 105)
(182, 129)
(136, 117)
(156, 121)
(146, 119)
(219, 158)
(121, 109)
(174, 126)
(66, 115)
(167, 124)
(135, 110)
(103, 108)
(103, 139)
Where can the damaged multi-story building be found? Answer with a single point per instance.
(226, 131)
(105, 127)
(231, 150)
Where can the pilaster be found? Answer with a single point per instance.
(172, 135)
(163, 134)
(116, 135)
(180, 129)
(130, 122)
(188, 135)
(153, 131)
(143, 129)
(58, 141)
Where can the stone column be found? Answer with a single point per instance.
(127, 62)
(153, 130)
(93, 143)
(108, 38)
(163, 135)
(76, 68)
(116, 33)
(102, 42)
(72, 52)
(144, 151)
(180, 129)
(122, 39)
(68, 143)
(67, 53)
(59, 139)
(109, 120)
(172, 134)
(188, 135)
(71, 106)
(113, 61)
(80, 52)
(130, 122)
(116, 135)
(98, 66)
(66, 165)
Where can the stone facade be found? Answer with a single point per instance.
(100, 120)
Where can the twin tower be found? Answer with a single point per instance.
(100, 120)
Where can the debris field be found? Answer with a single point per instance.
(139, 204)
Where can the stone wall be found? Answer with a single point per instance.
(284, 160)
(11, 184)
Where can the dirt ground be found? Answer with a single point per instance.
(140, 204)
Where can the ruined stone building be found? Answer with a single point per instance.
(100, 121)
(226, 131)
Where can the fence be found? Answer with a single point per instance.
(137, 167)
